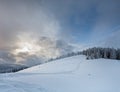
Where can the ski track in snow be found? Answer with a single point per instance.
(73, 74)
(51, 73)
(16, 86)
(7, 85)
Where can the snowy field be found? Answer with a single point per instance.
(73, 74)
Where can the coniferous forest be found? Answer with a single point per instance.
(98, 52)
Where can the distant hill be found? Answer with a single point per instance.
(7, 68)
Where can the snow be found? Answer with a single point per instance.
(73, 74)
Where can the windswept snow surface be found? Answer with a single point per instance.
(73, 74)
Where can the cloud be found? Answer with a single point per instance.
(21, 16)
(108, 18)
(85, 18)
(30, 49)
(28, 32)
(6, 57)
(41, 49)
(50, 26)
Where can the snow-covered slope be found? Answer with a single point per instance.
(73, 74)
(58, 66)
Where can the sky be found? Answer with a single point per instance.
(86, 20)
(32, 29)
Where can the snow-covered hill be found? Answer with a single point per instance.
(7, 68)
(73, 74)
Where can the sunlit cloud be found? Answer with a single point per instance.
(29, 32)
